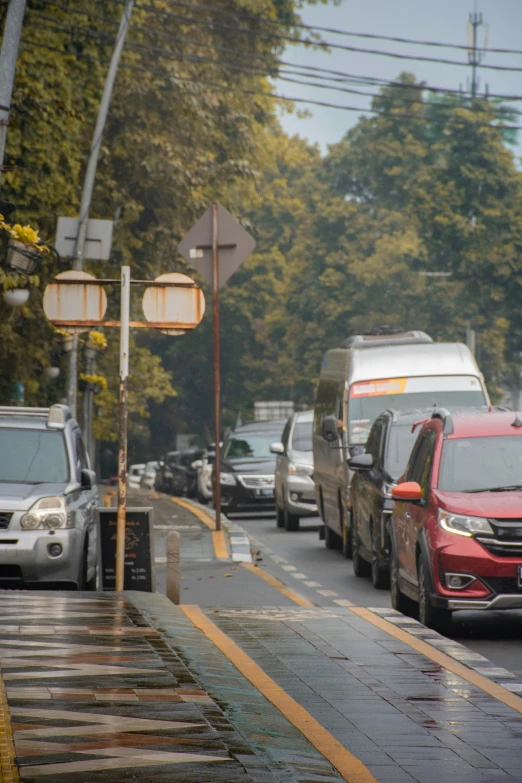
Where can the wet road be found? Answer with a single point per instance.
(496, 635)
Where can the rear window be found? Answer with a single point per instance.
(33, 456)
(474, 464)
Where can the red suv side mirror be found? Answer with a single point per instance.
(408, 491)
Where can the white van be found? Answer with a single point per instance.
(360, 381)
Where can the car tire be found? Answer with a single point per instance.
(380, 572)
(346, 544)
(82, 575)
(291, 521)
(331, 539)
(429, 615)
(280, 516)
(361, 567)
(399, 601)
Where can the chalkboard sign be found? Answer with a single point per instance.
(139, 549)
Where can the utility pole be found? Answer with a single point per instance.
(475, 55)
(88, 186)
(8, 58)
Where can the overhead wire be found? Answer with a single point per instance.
(335, 30)
(376, 81)
(321, 44)
(261, 93)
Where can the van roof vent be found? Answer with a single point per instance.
(386, 336)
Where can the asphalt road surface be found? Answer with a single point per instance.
(301, 560)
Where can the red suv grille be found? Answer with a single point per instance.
(507, 538)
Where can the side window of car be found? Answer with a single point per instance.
(80, 454)
(423, 461)
(286, 433)
(413, 460)
(378, 431)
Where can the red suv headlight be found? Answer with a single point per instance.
(463, 525)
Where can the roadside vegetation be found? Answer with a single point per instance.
(344, 240)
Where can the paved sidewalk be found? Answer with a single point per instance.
(121, 687)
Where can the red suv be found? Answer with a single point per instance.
(456, 528)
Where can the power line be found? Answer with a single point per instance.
(322, 44)
(169, 54)
(369, 80)
(334, 30)
(264, 93)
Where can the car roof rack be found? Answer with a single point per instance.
(380, 337)
(57, 415)
(445, 415)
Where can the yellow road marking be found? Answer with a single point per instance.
(350, 768)
(198, 512)
(278, 584)
(220, 544)
(8, 766)
(460, 669)
(218, 536)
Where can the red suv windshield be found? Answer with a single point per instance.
(481, 464)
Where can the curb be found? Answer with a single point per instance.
(452, 649)
(238, 541)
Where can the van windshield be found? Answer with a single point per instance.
(370, 398)
(33, 457)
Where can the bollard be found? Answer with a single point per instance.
(173, 569)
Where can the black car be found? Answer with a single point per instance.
(248, 467)
(375, 473)
(176, 475)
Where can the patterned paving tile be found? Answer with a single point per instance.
(92, 690)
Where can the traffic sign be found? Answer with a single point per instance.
(233, 243)
(163, 305)
(98, 241)
(74, 307)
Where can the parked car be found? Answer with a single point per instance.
(149, 475)
(170, 478)
(134, 475)
(375, 474)
(357, 382)
(187, 460)
(48, 500)
(203, 468)
(294, 487)
(457, 522)
(248, 466)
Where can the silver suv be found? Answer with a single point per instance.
(294, 487)
(48, 500)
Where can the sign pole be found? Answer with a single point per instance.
(122, 452)
(217, 375)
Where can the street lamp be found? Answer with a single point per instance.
(16, 297)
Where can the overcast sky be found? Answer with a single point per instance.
(429, 20)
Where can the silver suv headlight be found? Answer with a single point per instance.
(300, 470)
(227, 479)
(463, 525)
(47, 514)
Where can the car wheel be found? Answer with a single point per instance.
(280, 517)
(346, 545)
(330, 538)
(90, 584)
(291, 521)
(429, 615)
(380, 572)
(399, 601)
(360, 566)
(82, 575)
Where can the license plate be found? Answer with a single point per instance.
(264, 493)
(519, 574)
